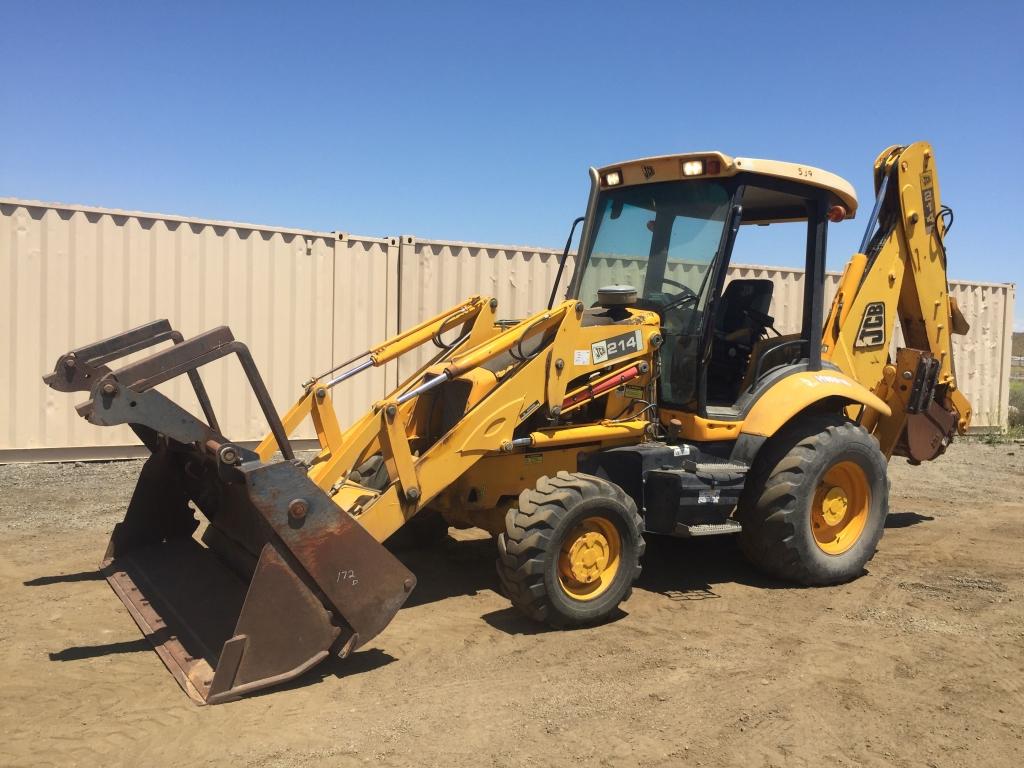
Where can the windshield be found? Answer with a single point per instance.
(659, 238)
(662, 239)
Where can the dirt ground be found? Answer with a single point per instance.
(918, 663)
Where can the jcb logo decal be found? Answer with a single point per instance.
(872, 326)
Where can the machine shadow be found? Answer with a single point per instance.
(681, 569)
(64, 578)
(906, 519)
(512, 622)
(82, 652)
(332, 668)
(689, 569)
(450, 569)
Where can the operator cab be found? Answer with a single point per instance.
(665, 227)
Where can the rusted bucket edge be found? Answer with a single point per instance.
(123, 585)
(246, 688)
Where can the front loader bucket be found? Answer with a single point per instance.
(278, 577)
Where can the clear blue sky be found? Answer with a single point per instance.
(477, 120)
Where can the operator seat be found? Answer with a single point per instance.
(738, 299)
(741, 321)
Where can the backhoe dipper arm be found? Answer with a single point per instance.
(900, 273)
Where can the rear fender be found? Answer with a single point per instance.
(800, 391)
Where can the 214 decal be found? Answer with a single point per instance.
(617, 346)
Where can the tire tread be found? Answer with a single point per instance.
(529, 533)
(771, 507)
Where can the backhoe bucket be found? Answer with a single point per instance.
(278, 577)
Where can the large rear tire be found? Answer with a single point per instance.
(571, 550)
(814, 507)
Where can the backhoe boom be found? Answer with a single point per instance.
(901, 275)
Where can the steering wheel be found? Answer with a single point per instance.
(685, 294)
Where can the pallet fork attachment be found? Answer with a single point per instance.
(280, 576)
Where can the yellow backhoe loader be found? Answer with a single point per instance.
(654, 399)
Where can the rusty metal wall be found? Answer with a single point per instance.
(304, 301)
(73, 274)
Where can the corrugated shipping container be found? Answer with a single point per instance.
(365, 298)
(304, 301)
(75, 275)
(438, 274)
(982, 357)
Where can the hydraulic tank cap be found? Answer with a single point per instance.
(613, 296)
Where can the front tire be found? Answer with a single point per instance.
(571, 550)
(814, 508)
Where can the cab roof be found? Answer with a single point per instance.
(760, 205)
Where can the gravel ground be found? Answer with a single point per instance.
(918, 663)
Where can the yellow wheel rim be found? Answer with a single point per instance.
(589, 558)
(840, 508)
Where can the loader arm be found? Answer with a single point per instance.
(289, 566)
(900, 274)
(517, 371)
